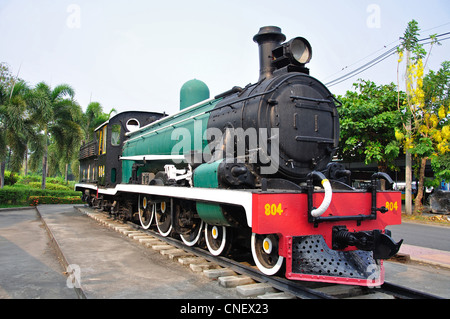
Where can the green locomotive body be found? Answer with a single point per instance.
(157, 142)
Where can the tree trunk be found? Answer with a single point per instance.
(26, 161)
(408, 183)
(9, 159)
(408, 159)
(44, 170)
(44, 160)
(382, 168)
(418, 201)
(2, 174)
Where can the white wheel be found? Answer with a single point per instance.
(163, 219)
(146, 212)
(265, 253)
(216, 239)
(192, 238)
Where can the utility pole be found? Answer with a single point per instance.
(408, 159)
(410, 43)
(408, 178)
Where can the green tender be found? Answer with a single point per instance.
(178, 134)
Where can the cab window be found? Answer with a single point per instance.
(101, 137)
(115, 135)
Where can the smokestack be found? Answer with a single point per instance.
(268, 38)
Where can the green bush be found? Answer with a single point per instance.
(36, 185)
(10, 178)
(19, 195)
(28, 179)
(50, 186)
(37, 200)
(17, 185)
(57, 180)
(57, 187)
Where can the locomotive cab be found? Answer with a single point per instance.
(99, 159)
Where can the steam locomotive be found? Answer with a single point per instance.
(252, 167)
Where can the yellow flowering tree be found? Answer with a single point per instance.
(426, 110)
(436, 86)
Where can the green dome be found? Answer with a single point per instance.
(192, 92)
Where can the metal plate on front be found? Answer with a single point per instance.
(312, 256)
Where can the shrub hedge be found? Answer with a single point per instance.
(20, 195)
(50, 186)
(36, 200)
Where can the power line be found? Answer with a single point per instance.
(439, 35)
(364, 67)
(378, 59)
(356, 62)
(442, 25)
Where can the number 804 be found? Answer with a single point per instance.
(273, 209)
(392, 206)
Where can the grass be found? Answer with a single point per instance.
(433, 219)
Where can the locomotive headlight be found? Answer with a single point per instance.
(299, 50)
(293, 55)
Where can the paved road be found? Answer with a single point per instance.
(422, 277)
(29, 268)
(423, 235)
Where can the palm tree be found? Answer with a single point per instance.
(94, 117)
(15, 125)
(18, 125)
(58, 116)
(68, 134)
(93, 111)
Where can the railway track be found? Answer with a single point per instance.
(238, 273)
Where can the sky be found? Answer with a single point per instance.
(136, 54)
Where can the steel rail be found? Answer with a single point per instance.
(279, 283)
(402, 292)
(293, 287)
